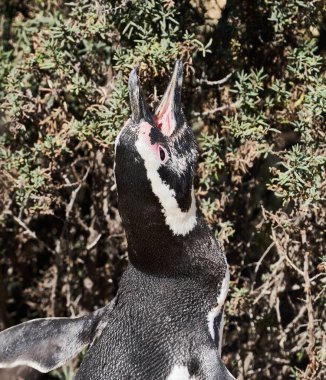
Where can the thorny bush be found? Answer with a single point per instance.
(255, 95)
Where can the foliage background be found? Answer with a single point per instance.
(255, 95)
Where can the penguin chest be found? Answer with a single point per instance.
(149, 334)
(143, 349)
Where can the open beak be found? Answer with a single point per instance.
(168, 115)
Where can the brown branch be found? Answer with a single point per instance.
(215, 82)
(309, 305)
(94, 242)
(289, 327)
(282, 253)
(31, 233)
(217, 109)
(268, 283)
(260, 261)
(59, 250)
(74, 195)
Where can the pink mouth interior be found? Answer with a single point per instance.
(164, 119)
(158, 122)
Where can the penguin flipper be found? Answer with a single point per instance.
(46, 343)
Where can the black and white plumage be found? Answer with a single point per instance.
(166, 319)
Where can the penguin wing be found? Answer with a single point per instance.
(47, 343)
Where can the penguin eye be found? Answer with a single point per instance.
(163, 154)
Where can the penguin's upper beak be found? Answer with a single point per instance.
(168, 115)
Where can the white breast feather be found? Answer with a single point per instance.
(217, 309)
(179, 372)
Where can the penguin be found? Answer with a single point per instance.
(166, 320)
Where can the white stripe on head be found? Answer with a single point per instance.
(178, 221)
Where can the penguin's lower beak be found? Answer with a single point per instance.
(139, 107)
(168, 113)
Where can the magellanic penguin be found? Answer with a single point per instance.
(166, 319)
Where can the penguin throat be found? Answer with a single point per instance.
(180, 222)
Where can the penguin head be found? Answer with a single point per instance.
(155, 162)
